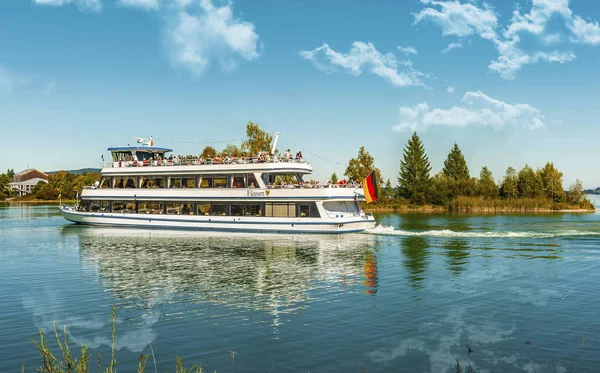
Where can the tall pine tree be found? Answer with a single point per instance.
(413, 180)
(455, 165)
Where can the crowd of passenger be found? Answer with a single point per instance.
(314, 184)
(222, 158)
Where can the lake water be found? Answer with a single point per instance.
(521, 290)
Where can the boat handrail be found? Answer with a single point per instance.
(200, 161)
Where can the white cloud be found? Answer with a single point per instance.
(83, 5)
(408, 50)
(142, 4)
(364, 56)
(476, 109)
(194, 37)
(460, 20)
(585, 32)
(450, 89)
(451, 46)
(469, 19)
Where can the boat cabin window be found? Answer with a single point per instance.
(214, 182)
(182, 182)
(218, 209)
(204, 209)
(307, 210)
(238, 181)
(280, 210)
(158, 182)
(122, 156)
(125, 182)
(207, 182)
(243, 209)
(105, 183)
(283, 179)
(220, 182)
(148, 156)
(98, 206)
(151, 207)
(180, 208)
(252, 183)
(126, 207)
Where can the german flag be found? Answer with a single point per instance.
(370, 188)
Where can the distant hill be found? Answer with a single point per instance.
(77, 172)
(591, 191)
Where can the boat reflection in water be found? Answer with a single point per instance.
(273, 273)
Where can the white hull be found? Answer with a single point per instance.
(223, 223)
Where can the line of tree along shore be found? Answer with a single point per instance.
(453, 188)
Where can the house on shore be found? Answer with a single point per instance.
(26, 180)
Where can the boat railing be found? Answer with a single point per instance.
(180, 161)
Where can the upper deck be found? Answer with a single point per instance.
(217, 165)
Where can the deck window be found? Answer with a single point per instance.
(84, 206)
(246, 209)
(218, 209)
(153, 182)
(207, 182)
(125, 207)
(308, 209)
(280, 210)
(238, 182)
(182, 182)
(99, 206)
(252, 183)
(180, 208)
(120, 182)
(151, 207)
(220, 182)
(303, 210)
(203, 208)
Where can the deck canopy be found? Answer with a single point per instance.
(137, 153)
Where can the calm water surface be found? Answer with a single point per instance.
(521, 290)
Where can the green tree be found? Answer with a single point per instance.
(552, 182)
(232, 151)
(388, 190)
(413, 179)
(360, 167)
(508, 187)
(208, 152)
(529, 183)
(257, 140)
(455, 165)
(333, 178)
(487, 185)
(575, 194)
(442, 189)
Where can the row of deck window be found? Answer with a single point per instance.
(238, 181)
(267, 209)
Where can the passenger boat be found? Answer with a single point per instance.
(143, 187)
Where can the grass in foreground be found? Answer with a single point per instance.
(66, 362)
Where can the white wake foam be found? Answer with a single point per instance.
(391, 231)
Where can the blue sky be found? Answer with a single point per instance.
(510, 82)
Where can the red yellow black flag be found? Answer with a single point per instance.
(370, 188)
